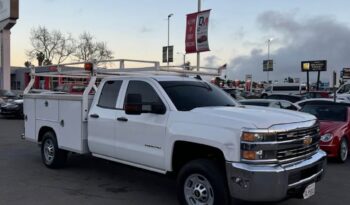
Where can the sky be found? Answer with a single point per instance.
(238, 31)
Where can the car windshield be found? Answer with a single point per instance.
(327, 112)
(188, 95)
(263, 104)
(7, 93)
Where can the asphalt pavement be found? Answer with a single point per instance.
(88, 180)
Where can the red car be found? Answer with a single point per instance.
(334, 119)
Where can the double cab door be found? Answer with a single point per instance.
(137, 139)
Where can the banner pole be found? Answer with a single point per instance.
(198, 53)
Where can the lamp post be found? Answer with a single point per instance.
(198, 53)
(184, 58)
(169, 16)
(268, 57)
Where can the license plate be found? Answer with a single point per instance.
(309, 191)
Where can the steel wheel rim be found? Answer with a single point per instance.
(198, 190)
(49, 151)
(343, 150)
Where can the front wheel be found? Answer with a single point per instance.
(51, 155)
(343, 150)
(202, 182)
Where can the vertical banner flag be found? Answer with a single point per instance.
(197, 32)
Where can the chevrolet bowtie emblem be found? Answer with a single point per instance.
(307, 140)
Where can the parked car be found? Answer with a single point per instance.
(235, 93)
(5, 95)
(317, 101)
(290, 98)
(13, 108)
(334, 119)
(317, 94)
(271, 103)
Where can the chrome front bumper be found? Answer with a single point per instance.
(273, 182)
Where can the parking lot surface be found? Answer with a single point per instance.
(88, 180)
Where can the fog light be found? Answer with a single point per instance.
(243, 183)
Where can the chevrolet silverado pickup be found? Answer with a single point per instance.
(217, 148)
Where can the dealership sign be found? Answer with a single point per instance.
(320, 65)
(345, 73)
(268, 65)
(197, 32)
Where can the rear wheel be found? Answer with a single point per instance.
(263, 96)
(202, 182)
(51, 155)
(343, 150)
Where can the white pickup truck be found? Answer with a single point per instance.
(169, 124)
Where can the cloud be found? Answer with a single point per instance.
(146, 29)
(316, 38)
(211, 61)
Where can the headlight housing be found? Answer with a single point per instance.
(250, 143)
(257, 137)
(327, 137)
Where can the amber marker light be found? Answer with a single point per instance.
(249, 155)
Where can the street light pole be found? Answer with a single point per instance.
(167, 52)
(184, 59)
(198, 53)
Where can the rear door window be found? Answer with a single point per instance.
(109, 94)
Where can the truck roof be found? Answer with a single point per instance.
(156, 77)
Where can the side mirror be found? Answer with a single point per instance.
(133, 105)
(158, 109)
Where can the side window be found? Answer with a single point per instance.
(346, 89)
(276, 105)
(109, 94)
(288, 106)
(148, 94)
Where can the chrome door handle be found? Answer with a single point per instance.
(94, 116)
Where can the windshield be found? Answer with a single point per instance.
(327, 112)
(7, 93)
(188, 95)
(263, 104)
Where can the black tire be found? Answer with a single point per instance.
(263, 96)
(209, 171)
(51, 155)
(343, 150)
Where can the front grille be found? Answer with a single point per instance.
(298, 144)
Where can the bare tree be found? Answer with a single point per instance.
(54, 45)
(88, 49)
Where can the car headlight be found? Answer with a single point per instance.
(253, 146)
(327, 137)
(257, 137)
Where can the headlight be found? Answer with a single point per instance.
(253, 146)
(327, 137)
(257, 137)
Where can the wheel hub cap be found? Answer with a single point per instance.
(49, 151)
(198, 190)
